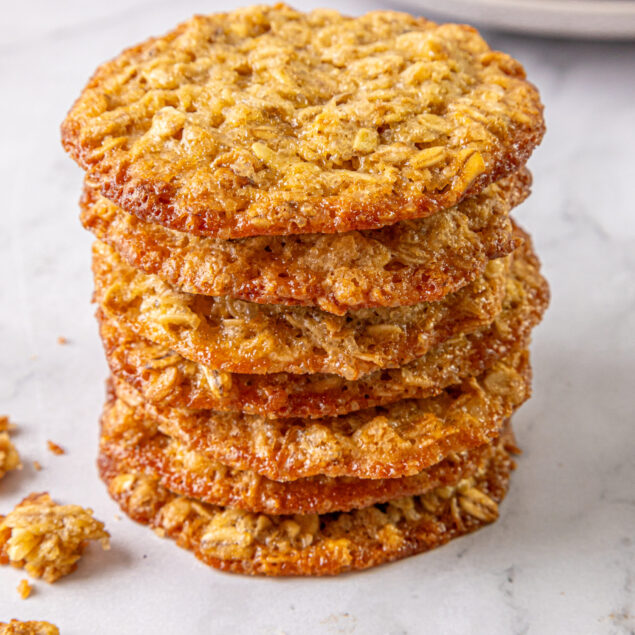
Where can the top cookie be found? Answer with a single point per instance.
(270, 121)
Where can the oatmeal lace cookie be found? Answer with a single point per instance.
(138, 444)
(166, 379)
(311, 544)
(397, 440)
(409, 262)
(238, 336)
(268, 121)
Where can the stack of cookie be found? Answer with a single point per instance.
(313, 301)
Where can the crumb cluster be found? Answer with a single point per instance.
(9, 456)
(47, 539)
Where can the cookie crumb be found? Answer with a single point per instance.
(16, 627)
(47, 539)
(56, 449)
(62, 340)
(24, 589)
(37, 466)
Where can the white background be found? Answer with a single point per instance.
(561, 558)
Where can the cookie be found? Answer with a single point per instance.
(397, 440)
(138, 444)
(244, 337)
(406, 263)
(268, 121)
(311, 544)
(167, 379)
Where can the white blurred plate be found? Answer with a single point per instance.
(604, 19)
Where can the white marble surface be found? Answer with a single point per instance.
(561, 558)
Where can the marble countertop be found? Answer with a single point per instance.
(561, 559)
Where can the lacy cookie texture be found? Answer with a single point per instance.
(311, 544)
(269, 121)
(238, 336)
(129, 439)
(165, 378)
(400, 439)
(406, 263)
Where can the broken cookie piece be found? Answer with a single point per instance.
(5, 424)
(47, 539)
(9, 457)
(15, 627)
